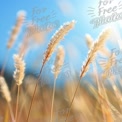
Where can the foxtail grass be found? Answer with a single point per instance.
(55, 40)
(6, 94)
(90, 58)
(19, 74)
(56, 70)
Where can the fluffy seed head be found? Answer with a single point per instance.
(89, 41)
(58, 61)
(16, 29)
(107, 65)
(20, 69)
(93, 51)
(4, 89)
(56, 38)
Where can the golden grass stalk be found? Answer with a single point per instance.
(16, 29)
(14, 34)
(111, 113)
(82, 102)
(29, 82)
(89, 41)
(108, 108)
(90, 58)
(19, 73)
(18, 76)
(111, 62)
(4, 89)
(93, 51)
(58, 61)
(98, 87)
(6, 116)
(6, 94)
(56, 70)
(55, 40)
(108, 117)
(107, 65)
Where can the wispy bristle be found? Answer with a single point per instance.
(20, 69)
(103, 51)
(4, 89)
(59, 61)
(16, 29)
(89, 41)
(56, 38)
(93, 51)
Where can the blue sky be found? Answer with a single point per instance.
(66, 10)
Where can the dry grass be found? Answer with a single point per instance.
(90, 58)
(16, 29)
(78, 101)
(93, 51)
(4, 89)
(59, 61)
(56, 38)
(19, 74)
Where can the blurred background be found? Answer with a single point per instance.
(49, 16)
(27, 27)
